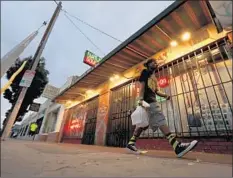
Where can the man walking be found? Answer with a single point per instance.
(33, 129)
(148, 91)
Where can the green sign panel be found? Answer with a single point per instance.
(91, 59)
(160, 99)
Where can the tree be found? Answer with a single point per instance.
(34, 91)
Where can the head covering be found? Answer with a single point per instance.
(146, 64)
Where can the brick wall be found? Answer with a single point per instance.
(43, 137)
(72, 140)
(213, 145)
(53, 137)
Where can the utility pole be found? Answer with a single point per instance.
(36, 60)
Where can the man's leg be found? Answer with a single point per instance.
(180, 148)
(158, 120)
(137, 132)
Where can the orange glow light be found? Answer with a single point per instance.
(186, 36)
(173, 43)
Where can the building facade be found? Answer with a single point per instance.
(195, 57)
(25, 127)
(48, 118)
(52, 123)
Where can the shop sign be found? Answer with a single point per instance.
(27, 78)
(91, 59)
(75, 124)
(34, 107)
(50, 92)
(163, 82)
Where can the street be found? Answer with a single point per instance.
(38, 159)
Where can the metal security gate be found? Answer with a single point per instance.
(200, 86)
(90, 124)
(120, 126)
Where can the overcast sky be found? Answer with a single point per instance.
(66, 46)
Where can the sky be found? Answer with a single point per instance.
(66, 46)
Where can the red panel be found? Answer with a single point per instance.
(205, 145)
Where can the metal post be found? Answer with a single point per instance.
(36, 60)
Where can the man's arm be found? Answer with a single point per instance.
(142, 79)
(141, 90)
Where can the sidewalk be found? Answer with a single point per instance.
(192, 156)
(38, 159)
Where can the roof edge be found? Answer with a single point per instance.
(138, 33)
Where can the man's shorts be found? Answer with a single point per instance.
(156, 117)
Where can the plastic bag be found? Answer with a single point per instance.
(140, 117)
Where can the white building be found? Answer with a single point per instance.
(49, 118)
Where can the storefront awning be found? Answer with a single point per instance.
(153, 37)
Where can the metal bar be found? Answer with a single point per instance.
(211, 111)
(168, 115)
(183, 88)
(193, 82)
(220, 75)
(223, 89)
(170, 73)
(202, 79)
(176, 90)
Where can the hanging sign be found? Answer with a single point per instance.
(91, 59)
(34, 107)
(27, 78)
(50, 92)
(163, 82)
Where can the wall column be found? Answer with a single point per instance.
(102, 119)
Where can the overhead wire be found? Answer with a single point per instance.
(56, 2)
(67, 14)
(71, 21)
(84, 34)
(97, 29)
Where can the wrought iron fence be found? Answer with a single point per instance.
(201, 93)
(200, 86)
(90, 125)
(120, 126)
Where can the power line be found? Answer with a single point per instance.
(130, 48)
(80, 20)
(84, 34)
(56, 2)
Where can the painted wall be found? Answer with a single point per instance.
(102, 119)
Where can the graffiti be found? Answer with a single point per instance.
(77, 122)
(162, 58)
(101, 124)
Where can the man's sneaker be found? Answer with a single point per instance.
(184, 148)
(132, 147)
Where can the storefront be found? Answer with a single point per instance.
(80, 122)
(195, 70)
(50, 128)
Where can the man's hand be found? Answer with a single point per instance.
(140, 102)
(168, 97)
